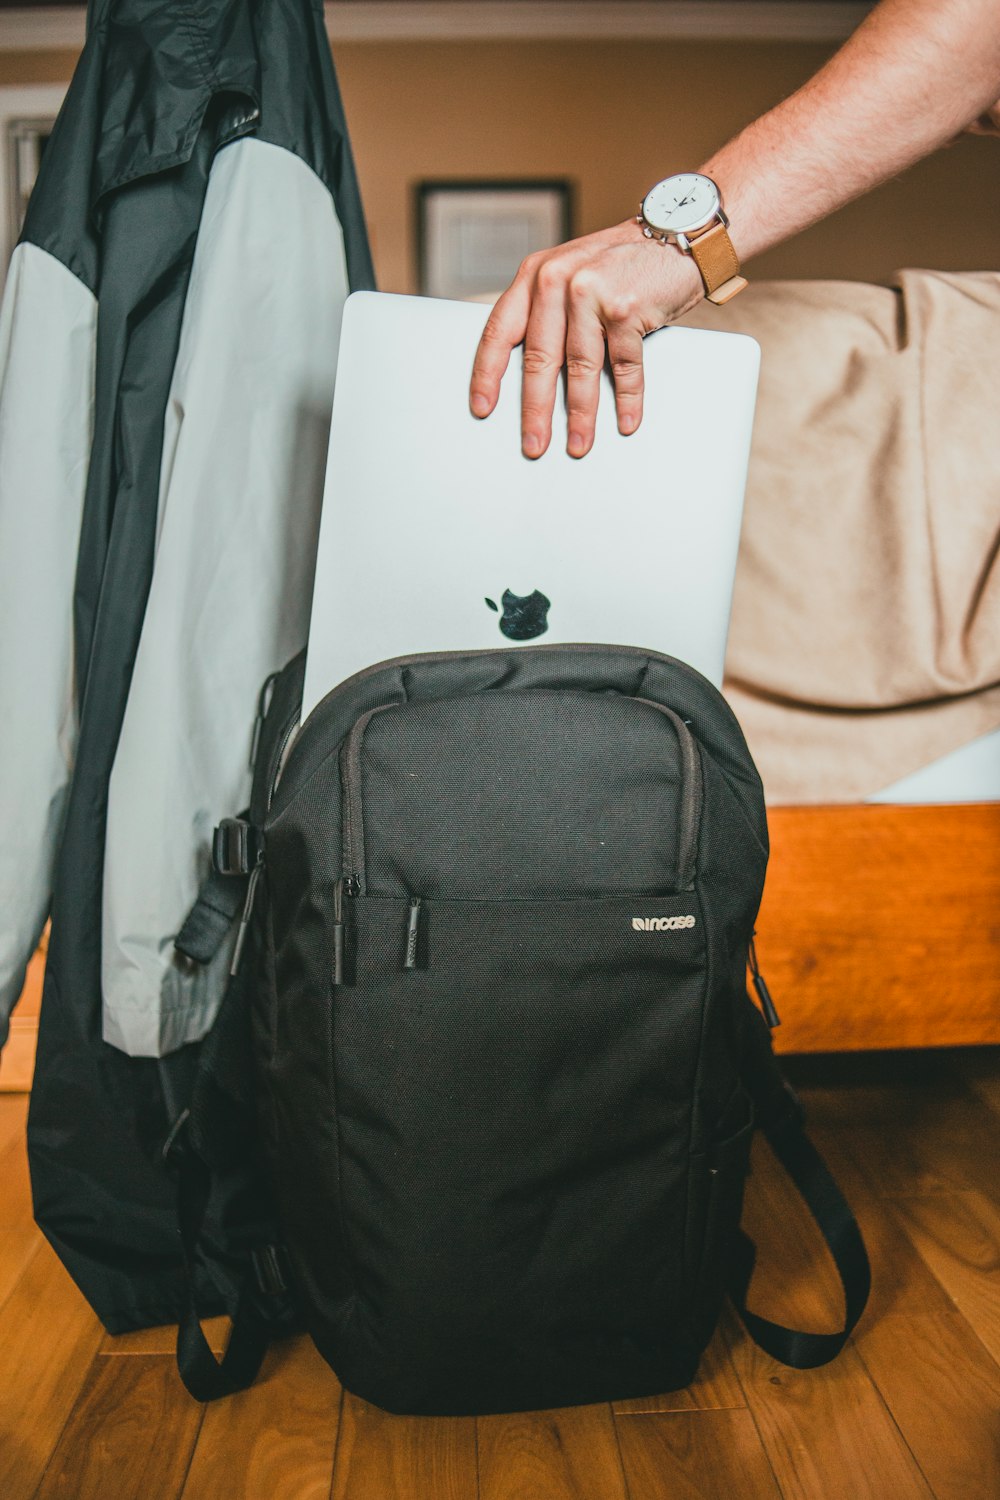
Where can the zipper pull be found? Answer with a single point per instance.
(412, 933)
(347, 885)
(263, 704)
(763, 993)
(241, 936)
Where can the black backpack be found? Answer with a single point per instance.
(489, 1042)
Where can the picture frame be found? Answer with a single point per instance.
(473, 234)
(27, 115)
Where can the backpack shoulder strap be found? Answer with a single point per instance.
(205, 1376)
(780, 1116)
(212, 1154)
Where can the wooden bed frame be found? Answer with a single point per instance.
(880, 927)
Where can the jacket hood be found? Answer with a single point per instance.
(161, 66)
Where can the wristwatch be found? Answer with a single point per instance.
(686, 210)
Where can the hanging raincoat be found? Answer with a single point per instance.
(168, 347)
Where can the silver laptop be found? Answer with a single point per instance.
(437, 534)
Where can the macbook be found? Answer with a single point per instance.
(437, 534)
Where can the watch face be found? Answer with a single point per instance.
(681, 204)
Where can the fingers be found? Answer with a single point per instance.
(565, 305)
(505, 328)
(544, 354)
(625, 354)
(584, 363)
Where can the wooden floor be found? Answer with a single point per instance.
(912, 1407)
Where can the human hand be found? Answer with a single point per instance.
(570, 304)
(988, 123)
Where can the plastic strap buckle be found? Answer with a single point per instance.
(236, 847)
(266, 1262)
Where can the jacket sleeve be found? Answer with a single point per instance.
(47, 339)
(244, 457)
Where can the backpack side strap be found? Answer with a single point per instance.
(780, 1116)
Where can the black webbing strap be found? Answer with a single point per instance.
(236, 848)
(220, 901)
(780, 1117)
(206, 1377)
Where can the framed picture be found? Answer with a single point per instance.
(472, 236)
(27, 115)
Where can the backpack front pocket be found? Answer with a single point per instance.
(520, 795)
(512, 1119)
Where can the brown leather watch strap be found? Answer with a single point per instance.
(718, 263)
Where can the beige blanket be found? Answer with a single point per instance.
(865, 637)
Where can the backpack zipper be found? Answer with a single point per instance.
(273, 772)
(352, 816)
(412, 933)
(278, 760)
(347, 885)
(244, 927)
(767, 1005)
(692, 794)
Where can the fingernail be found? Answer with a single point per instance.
(577, 445)
(532, 444)
(480, 404)
(627, 424)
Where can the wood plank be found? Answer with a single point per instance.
(795, 1281)
(17, 1061)
(878, 926)
(401, 1458)
(941, 1149)
(20, 1237)
(943, 1391)
(958, 1235)
(164, 1340)
(908, 1122)
(979, 1069)
(570, 1453)
(714, 1388)
(902, 1282)
(15, 1183)
(276, 1439)
(827, 1432)
(700, 1455)
(50, 1338)
(130, 1434)
(13, 1122)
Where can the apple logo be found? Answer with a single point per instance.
(524, 615)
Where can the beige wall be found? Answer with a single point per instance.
(614, 117)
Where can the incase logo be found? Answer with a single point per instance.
(660, 924)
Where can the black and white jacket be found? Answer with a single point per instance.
(168, 346)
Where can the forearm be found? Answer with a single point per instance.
(912, 76)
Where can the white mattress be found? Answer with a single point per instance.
(969, 774)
